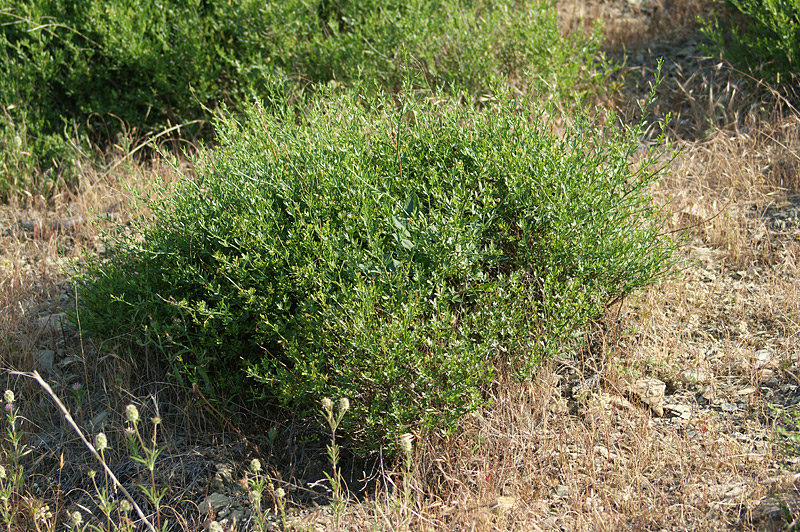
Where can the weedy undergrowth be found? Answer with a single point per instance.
(788, 428)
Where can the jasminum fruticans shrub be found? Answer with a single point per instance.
(393, 252)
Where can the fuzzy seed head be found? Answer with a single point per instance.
(344, 404)
(2, 473)
(9, 397)
(280, 493)
(101, 442)
(125, 506)
(132, 413)
(327, 405)
(42, 514)
(77, 518)
(406, 443)
(255, 465)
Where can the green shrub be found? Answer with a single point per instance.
(766, 40)
(395, 256)
(91, 69)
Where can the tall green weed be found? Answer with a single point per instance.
(396, 254)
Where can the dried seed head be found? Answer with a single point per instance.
(101, 442)
(9, 397)
(344, 404)
(132, 413)
(327, 405)
(406, 443)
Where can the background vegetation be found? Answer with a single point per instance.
(765, 39)
(233, 284)
(77, 74)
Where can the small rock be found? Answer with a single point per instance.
(562, 491)
(503, 504)
(215, 501)
(224, 475)
(767, 377)
(69, 360)
(747, 390)
(694, 376)
(708, 393)
(734, 493)
(52, 323)
(687, 51)
(681, 411)
(729, 491)
(651, 392)
(603, 451)
(770, 514)
(616, 401)
(763, 358)
(773, 382)
(99, 420)
(45, 360)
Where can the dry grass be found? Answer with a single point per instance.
(571, 450)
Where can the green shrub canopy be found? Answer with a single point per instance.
(766, 40)
(396, 255)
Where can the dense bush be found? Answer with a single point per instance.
(395, 254)
(77, 70)
(766, 40)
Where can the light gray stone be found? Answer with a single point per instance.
(763, 358)
(45, 360)
(224, 475)
(52, 323)
(651, 392)
(215, 501)
(681, 411)
(695, 376)
(99, 421)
